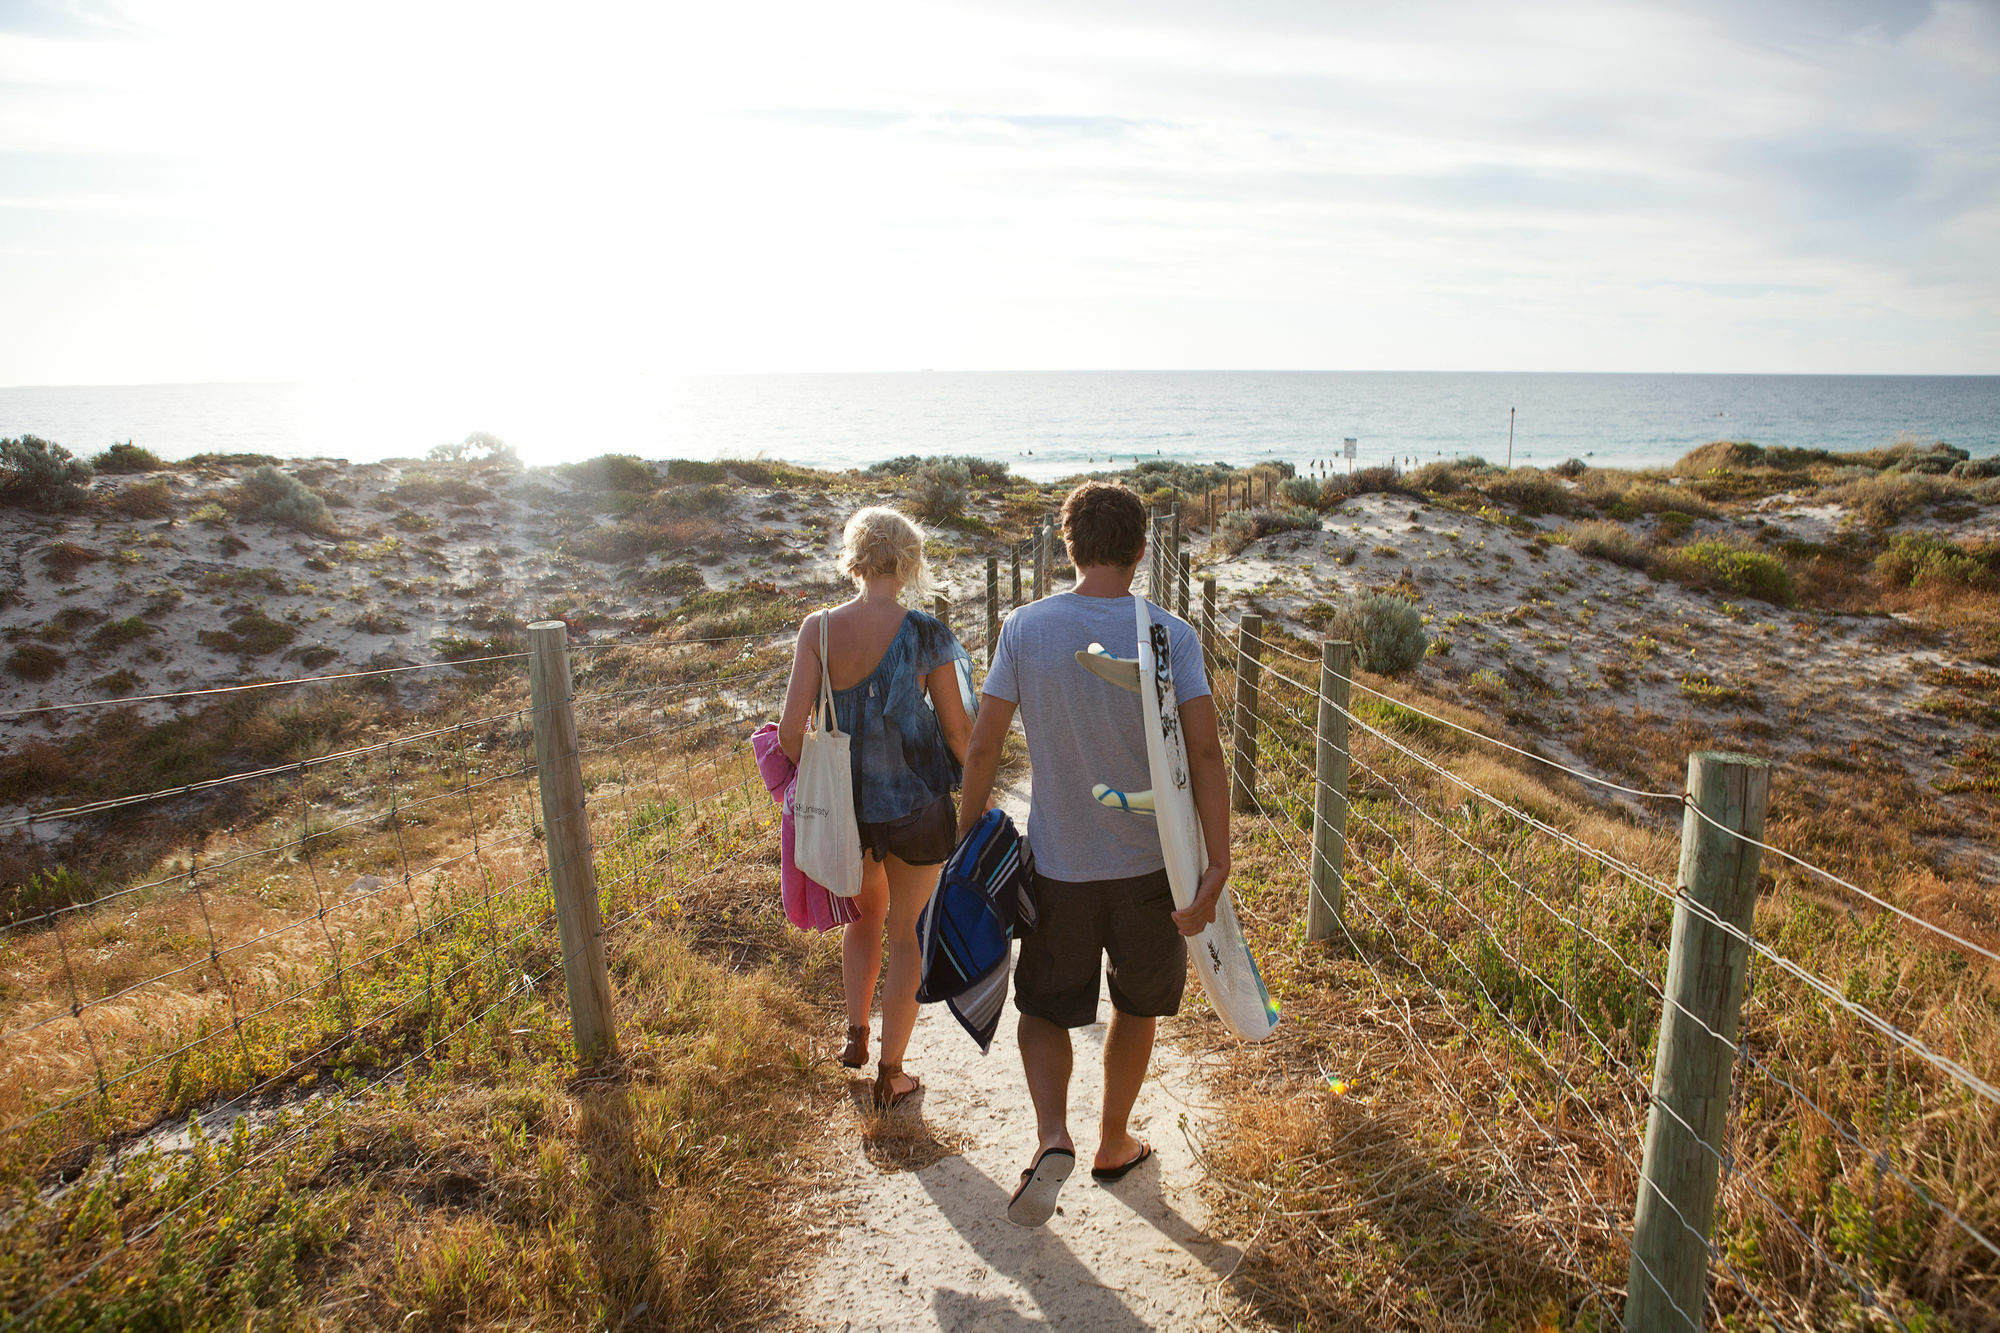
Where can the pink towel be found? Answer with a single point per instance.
(807, 903)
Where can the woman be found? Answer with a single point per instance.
(902, 689)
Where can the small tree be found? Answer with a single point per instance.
(40, 474)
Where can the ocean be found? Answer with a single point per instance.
(1042, 424)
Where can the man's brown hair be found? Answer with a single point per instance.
(1104, 523)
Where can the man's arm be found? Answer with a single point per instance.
(982, 759)
(1210, 779)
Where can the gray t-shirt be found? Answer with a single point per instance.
(1083, 730)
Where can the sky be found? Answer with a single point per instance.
(201, 190)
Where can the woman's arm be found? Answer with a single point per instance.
(802, 690)
(942, 686)
(982, 761)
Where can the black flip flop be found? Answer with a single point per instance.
(1105, 1175)
(1034, 1203)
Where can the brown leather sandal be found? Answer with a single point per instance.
(886, 1096)
(855, 1053)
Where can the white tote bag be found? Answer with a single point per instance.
(827, 840)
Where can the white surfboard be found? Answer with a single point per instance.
(1222, 959)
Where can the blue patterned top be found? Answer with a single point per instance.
(901, 762)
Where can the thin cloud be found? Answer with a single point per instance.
(1800, 185)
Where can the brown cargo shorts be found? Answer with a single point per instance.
(1128, 923)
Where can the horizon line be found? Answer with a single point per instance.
(1102, 370)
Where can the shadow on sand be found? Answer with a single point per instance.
(1065, 1291)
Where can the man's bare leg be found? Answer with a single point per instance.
(1128, 1049)
(1046, 1059)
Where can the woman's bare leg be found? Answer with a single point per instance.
(910, 887)
(861, 943)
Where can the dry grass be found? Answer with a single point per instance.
(1446, 1128)
(478, 1182)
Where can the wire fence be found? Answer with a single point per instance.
(388, 905)
(1857, 1152)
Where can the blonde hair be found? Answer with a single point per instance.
(878, 540)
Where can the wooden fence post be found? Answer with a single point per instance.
(1707, 967)
(992, 605)
(1014, 553)
(1153, 553)
(566, 835)
(1182, 558)
(1156, 588)
(1208, 508)
(1208, 616)
(941, 608)
(1048, 561)
(1329, 883)
(1249, 666)
(1041, 547)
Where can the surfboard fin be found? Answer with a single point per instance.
(1120, 671)
(1131, 802)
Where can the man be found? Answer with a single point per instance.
(1100, 879)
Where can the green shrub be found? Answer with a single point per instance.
(279, 497)
(751, 471)
(1438, 478)
(1570, 468)
(122, 681)
(250, 634)
(1182, 478)
(200, 462)
(1925, 560)
(423, 488)
(939, 492)
(1240, 527)
(36, 472)
(1672, 524)
(1305, 493)
(1529, 491)
(622, 472)
(681, 501)
(1652, 497)
(1386, 631)
(1369, 481)
(145, 499)
(126, 457)
(688, 470)
(1883, 499)
(676, 580)
(1725, 567)
(119, 633)
(1602, 540)
(981, 470)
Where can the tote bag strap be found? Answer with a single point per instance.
(829, 723)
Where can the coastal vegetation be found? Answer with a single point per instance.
(1839, 612)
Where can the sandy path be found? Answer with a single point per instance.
(932, 1248)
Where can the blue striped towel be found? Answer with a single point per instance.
(985, 897)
